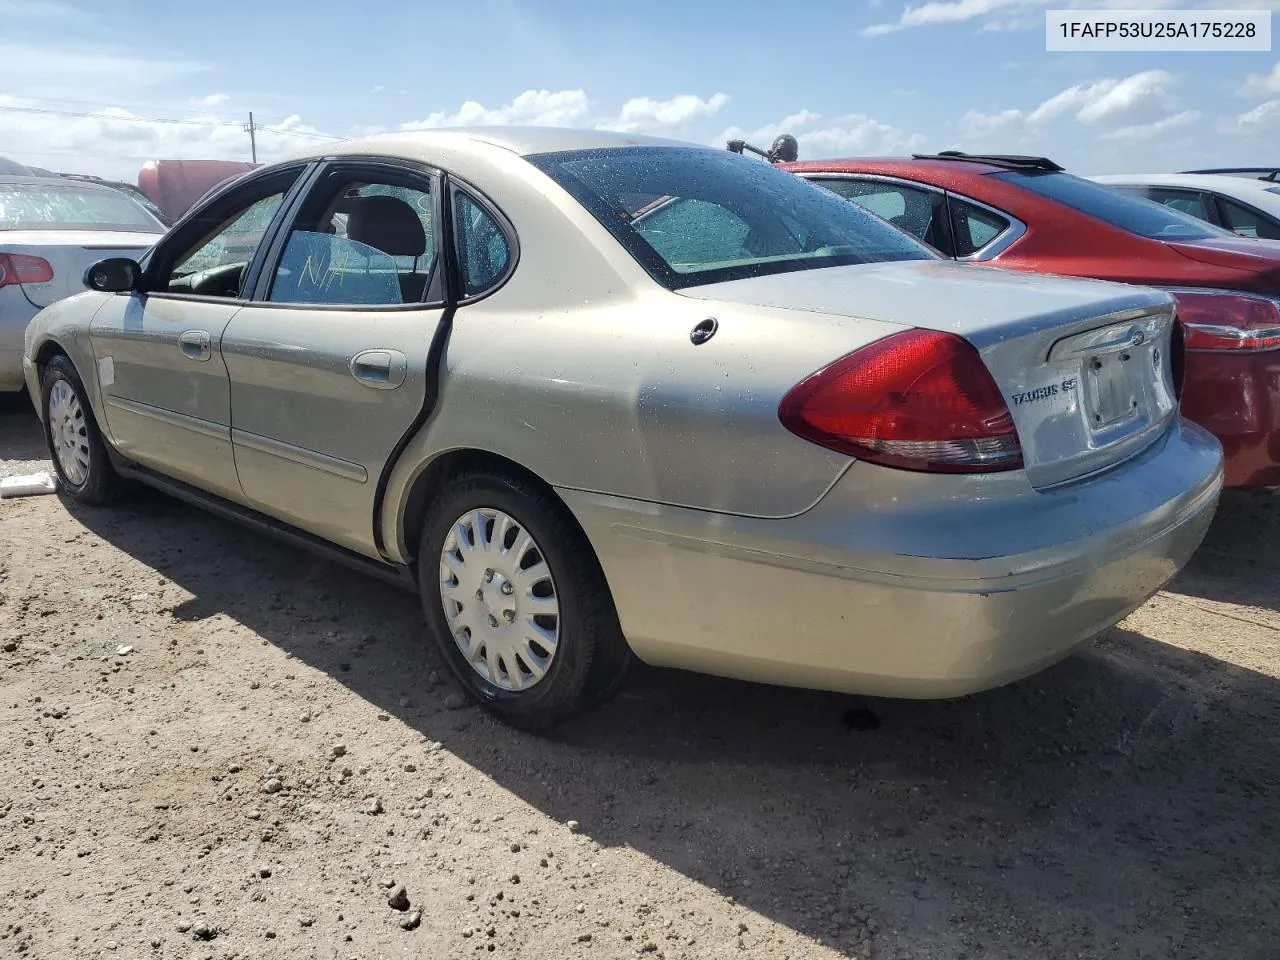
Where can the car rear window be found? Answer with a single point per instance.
(1121, 210)
(54, 206)
(692, 215)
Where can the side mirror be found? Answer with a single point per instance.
(113, 275)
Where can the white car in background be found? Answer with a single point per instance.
(51, 231)
(1245, 206)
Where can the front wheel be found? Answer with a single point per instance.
(517, 602)
(75, 443)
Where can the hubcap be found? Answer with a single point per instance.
(69, 432)
(499, 598)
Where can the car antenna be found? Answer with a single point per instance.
(785, 149)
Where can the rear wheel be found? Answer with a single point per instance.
(75, 443)
(516, 601)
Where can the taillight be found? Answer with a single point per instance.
(1227, 320)
(918, 400)
(20, 268)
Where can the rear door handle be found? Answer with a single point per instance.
(380, 369)
(196, 344)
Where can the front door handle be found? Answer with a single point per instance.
(380, 369)
(196, 344)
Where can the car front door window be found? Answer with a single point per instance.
(1190, 202)
(1248, 222)
(914, 210)
(216, 265)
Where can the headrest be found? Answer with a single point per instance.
(387, 224)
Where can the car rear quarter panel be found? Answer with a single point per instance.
(614, 398)
(581, 369)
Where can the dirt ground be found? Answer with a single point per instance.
(217, 746)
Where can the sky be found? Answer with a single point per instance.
(101, 86)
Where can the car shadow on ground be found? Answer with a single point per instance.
(1239, 561)
(20, 434)
(1133, 786)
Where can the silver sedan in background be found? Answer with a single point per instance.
(51, 231)
(597, 396)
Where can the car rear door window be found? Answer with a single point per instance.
(358, 242)
(914, 210)
(1248, 222)
(974, 228)
(1190, 202)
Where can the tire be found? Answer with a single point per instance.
(84, 470)
(590, 656)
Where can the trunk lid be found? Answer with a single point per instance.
(1083, 365)
(70, 253)
(1261, 258)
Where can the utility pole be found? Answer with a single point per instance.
(253, 140)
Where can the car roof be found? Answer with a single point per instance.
(426, 145)
(1242, 187)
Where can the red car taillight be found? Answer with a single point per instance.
(918, 400)
(1227, 320)
(20, 268)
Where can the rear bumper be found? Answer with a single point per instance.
(1237, 398)
(900, 584)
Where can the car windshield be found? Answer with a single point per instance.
(59, 206)
(691, 215)
(1122, 210)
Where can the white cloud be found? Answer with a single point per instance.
(213, 100)
(945, 11)
(540, 108)
(1135, 94)
(985, 125)
(572, 108)
(1143, 131)
(1025, 15)
(852, 134)
(644, 115)
(1261, 84)
(1142, 98)
(114, 142)
(1262, 117)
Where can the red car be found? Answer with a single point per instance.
(1027, 213)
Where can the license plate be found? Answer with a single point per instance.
(1110, 384)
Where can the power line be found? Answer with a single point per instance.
(202, 111)
(115, 118)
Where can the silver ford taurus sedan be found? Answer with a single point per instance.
(597, 396)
